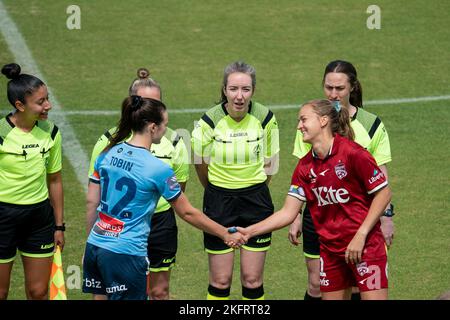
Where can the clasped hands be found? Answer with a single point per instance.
(236, 237)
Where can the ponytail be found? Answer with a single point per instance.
(339, 117)
(343, 127)
(136, 113)
(356, 94)
(124, 125)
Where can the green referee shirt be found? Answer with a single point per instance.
(25, 160)
(236, 149)
(369, 133)
(171, 150)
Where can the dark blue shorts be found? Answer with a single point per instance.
(119, 276)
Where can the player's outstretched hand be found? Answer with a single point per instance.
(245, 233)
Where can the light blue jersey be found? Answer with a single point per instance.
(131, 182)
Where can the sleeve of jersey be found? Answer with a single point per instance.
(296, 190)
(365, 166)
(181, 161)
(380, 147)
(94, 177)
(202, 138)
(300, 148)
(102, 142)
(168, 185)
(271, 138)
(55, 159)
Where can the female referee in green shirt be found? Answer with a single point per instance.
(31, 192)
(236, 146)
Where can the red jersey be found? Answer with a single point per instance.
(339, 190)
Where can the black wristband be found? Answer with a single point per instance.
(61, 228)
(389, 212)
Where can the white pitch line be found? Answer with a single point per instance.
(272, 107)
(22, 55)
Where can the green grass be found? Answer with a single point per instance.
(186, 45)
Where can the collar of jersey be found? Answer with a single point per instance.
(9, 120)
(354, 116)
(11, 123)
(132, 145)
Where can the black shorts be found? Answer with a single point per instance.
(29, 228)
(162, 241)
(237, 207)
(311, 245)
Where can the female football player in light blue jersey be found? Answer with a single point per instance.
(163, 240)
(127, 182)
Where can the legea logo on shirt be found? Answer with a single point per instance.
(328, 195)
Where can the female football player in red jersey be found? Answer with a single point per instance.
(340, 84)
(347, 193)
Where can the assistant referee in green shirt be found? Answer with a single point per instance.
(31, 192)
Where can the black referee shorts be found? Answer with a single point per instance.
(162, 241)
(29, 228)
(237, 207)
(311, 245)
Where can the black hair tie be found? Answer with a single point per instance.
(136, 102)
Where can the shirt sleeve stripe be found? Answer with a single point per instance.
(267, 119)
(54, 132)
(295, 195)
(208, 121)
(94, 180)
(108, 135)
(374, 127)
(174, 197)
(380, 186)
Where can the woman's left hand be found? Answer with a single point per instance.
(355, 248)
